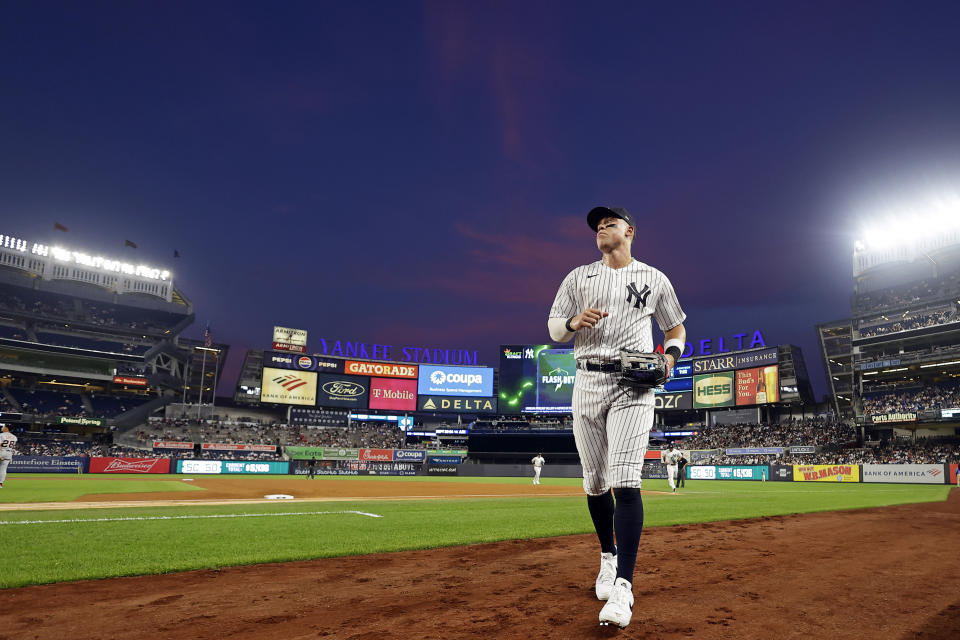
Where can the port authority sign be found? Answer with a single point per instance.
(456, 404)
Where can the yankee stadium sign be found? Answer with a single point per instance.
(374, 351)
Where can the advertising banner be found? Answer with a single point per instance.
(409, 455)
(46, 464)
(894, 417)
(953, 473)
(444, 460)
(342, 391)
(673, 400)
(232, 467)
(393, 393)
(130, 381)
(288, 387)
(701, 472)
(677, 384)
(286, 339)
(455, 381)
(904, 473)
(826, 473)
(171, 444)
(682, 370)
(456, 404)
(781, 472)
(302, 363)
(304, 452)
(655, 470)
(755, 451)
(381, 369)
(803, 449)
(263, 448)
(730, 361)
(742, 472)
(80, 422)
(355, 468)
(330, 453)
(714, 390)
(382, 455)
(750, 387)
(129, 465)
(446, 452)
(442, 469)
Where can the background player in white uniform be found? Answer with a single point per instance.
(671, 457)
(607, 306)
(538, 463)
(7, 442)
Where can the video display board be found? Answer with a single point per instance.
(536, 378)
(288, 387)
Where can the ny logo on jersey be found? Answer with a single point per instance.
(641, 296)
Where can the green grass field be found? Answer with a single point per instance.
(53, 546)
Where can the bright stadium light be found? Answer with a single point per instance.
(910, 225)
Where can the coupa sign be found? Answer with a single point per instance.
(455, 381)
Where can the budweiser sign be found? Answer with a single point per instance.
(129, 465)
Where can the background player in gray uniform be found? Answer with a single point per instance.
(7, 442)
(538, 463)
(671, 458)
(607, 306)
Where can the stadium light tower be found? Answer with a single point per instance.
(908, 233)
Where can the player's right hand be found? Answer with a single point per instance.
(589, 318)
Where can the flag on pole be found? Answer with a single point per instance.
(176, 254)
(128, 243)
(59, 227)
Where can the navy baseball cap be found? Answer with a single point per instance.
(599, 213)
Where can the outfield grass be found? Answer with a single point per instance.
(57, 551)
(57, 487)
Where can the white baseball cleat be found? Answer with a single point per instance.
(607, 575)
(619, 607)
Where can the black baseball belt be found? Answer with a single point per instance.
(608, 367)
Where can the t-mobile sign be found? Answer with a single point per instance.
(393, 393)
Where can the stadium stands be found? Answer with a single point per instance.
(915, 400)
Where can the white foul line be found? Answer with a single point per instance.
(222, 515)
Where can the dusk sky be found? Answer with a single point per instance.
(420, 173)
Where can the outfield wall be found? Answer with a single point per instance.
(451, 465)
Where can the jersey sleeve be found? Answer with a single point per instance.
(565, 304)
(668, 312)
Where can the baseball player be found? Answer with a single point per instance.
(607, 306)
(312, 467)
(671, 458)
(7, 442)
(538, 462)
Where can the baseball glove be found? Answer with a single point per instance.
(642, 370)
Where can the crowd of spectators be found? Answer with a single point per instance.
(361, 435)
(43, 305)
(942, 396)
(525, 423)
(915, 322)
(821, 431)
(923, 291)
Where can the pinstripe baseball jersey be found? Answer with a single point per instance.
(7, 441)
(631, 295)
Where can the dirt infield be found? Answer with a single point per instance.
(875, 573)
